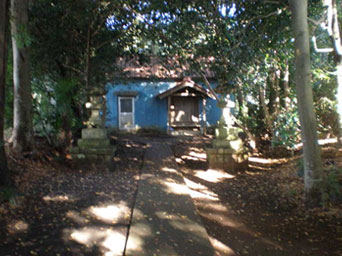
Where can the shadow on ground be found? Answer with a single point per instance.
(84, 210)
(257, 211)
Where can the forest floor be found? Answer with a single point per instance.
(256, 212)
(261, 211)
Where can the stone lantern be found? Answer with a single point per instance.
(227, 150)
(96, 105)
(94, 144)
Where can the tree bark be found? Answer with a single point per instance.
(284, 84)
(339, 98)
(88, 53)
(311, 150)
(273, 84)
(265, 110)
(22, 136)
(4, 172)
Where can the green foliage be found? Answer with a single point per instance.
(7, 193)
(77, 41)
(54, 102)
(324, 88)
(332, 185)
(23, 38)
(287, 129)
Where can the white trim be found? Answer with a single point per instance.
(119, 113)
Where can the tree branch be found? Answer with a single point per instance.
(320, 49)
(73, 69)
(209, 86)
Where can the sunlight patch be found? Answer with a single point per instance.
(73, 215)
(221, 247)
(175, 188)
(110, 213)
(110, 242)
(214, 176)
(17, 226)
(193, 157)
(198, 155)
(179, 160)
(214, 206)
(136, 238)
(166, 169)
(181, 222)
(224, 220)
(57, 198)
(194, 185)
(181, 189)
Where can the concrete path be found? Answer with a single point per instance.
(164, 220)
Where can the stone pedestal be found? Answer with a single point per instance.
(227, 150)
(94, 145)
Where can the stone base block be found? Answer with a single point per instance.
(93, 143)
(94, 133)
(225, 158)
(235, 145)
(91, 157)
(93, 154)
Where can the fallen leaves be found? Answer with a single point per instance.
(270, 203)
(56, 197)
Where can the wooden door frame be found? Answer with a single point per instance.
(119, 111)
(169, 102)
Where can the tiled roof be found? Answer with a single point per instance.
(184, 84)
(155, 67)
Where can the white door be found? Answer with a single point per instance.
(126, 113)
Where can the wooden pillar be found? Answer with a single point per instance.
(168, 114)
(204, 114)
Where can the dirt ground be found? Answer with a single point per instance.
(61, 205)
(260, 211)
(254, 212)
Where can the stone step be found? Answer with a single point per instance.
(93, 143)
(185, 132)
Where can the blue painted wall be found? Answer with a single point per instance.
(149, 110)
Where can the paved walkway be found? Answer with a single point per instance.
(164, 220)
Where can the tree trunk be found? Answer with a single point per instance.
(4, 172)
(311, 150)
(87, 68)
(339, 98)
(22, 136)
(272, 95)
(265, 111)
(284, 84)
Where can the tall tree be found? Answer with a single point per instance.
(311, 150)
(22, 117)
(4, 179)
(74, 47)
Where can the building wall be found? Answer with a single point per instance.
(150, 111)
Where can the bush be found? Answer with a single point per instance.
(56, 108)
(6, 194)
(332, 185)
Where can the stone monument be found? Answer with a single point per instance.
(94, 144)
(227, 150)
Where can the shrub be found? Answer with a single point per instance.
(332, 185)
